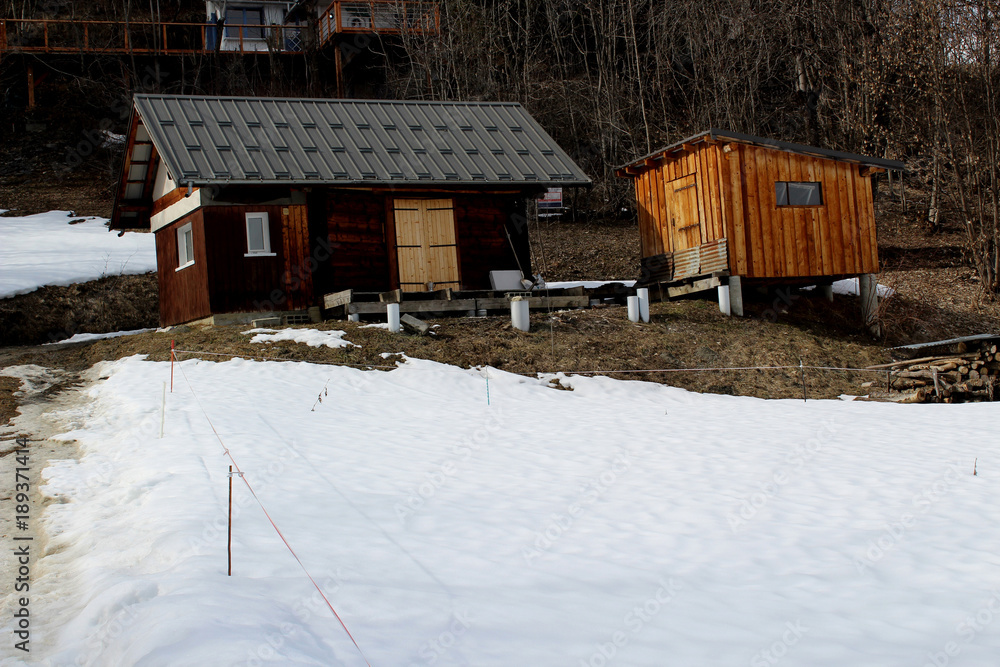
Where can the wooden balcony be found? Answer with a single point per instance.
(145, 37)
(141, 37)
(383, 17)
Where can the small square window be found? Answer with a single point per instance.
(258, 235)
(796, 193)
(185, 246)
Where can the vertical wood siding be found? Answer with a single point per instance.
(482, 223)
(184, 293)
(248, 284)
(736, 201)
(356, 223)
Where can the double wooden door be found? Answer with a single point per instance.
(426, 249)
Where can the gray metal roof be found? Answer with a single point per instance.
(739, 137)
(266, 141)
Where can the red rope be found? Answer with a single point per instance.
(264, 510)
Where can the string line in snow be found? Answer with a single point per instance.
(246, 481)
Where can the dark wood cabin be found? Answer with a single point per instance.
(266, 205)
(723, 204)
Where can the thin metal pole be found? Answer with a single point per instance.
(229, 541)
(172, 357)
(802, 372)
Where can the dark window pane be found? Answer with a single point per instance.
(804, 194)
(781, 193)
(244, 16)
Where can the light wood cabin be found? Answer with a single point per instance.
(725, 203)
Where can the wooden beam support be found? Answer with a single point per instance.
(868, 171)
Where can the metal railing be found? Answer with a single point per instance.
(143, 37)
(379, 16)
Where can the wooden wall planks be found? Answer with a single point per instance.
(184, 293)
(736, 200)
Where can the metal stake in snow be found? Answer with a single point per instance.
(802, 372)
(163, 409)
(172, 357)
(229, 537)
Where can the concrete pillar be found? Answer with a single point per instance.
(868, 290)
(643, 294)
(724, 305)
(633, 308)
(736, 296)
(392, 314)
(520, 314)
(826, 291)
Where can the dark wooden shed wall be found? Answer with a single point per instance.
(184, 293)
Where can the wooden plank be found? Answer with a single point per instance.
(645, 220)
(733, 204)
(715, 192)
(829, 220)
(536, 302)
(866, 194)
(337, 299)
(760, 264)
(696, 286)
(849, 215)
(392, 296)
(455, 305)
(660, 212)
(805, 242)
(821, 232)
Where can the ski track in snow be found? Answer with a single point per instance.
(623, 523)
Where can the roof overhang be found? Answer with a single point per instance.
(716, 136)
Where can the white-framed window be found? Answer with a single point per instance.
(258, 236)
(185, 246)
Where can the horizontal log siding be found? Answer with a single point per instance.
(183, 294)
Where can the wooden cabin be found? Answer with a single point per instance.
(266, 205)
(724, 207)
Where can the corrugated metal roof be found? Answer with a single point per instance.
(739, 137)
(241, 140)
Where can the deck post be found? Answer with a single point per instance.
(735, 296)
(868, 290)
(826, 291)
(31, 87)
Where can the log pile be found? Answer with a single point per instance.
(973, 375)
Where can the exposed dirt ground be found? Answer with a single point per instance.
(936, 297)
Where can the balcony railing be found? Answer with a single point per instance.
(379, 16)
(143, 37)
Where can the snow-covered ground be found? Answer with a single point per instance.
(87, 337)
(473, 517)
(44, 249)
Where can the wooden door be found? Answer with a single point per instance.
(426, 249)
(683, 218)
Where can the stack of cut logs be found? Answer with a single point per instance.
(973, 375)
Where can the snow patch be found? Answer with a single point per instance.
(310, 337)
(44, 249)
(85, 337)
